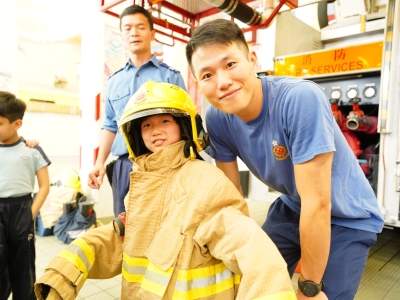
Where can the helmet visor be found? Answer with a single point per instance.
(151, 112)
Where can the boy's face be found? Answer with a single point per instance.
(160, 131)
(225, 76)
(136, 33)
(8, 130)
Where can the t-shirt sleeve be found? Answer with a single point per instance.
(219, 132)
(41, 159)
(308, 122)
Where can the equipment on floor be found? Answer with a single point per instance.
(64, 188)
(79, 217)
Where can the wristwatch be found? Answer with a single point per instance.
(310, 288)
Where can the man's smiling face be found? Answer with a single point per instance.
(225, 76)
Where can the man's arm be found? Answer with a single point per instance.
(96, 176)
(231, 171)
(313, 182)
(44, 188)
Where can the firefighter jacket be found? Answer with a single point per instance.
(188, 235)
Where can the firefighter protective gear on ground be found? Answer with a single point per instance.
(160, 98)
(188, 236)
(69, 178)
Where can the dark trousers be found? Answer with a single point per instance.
(120, 182)
(17, 248)
(347, 257)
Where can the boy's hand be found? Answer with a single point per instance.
(95, 179)
(35, 211)
(30, 143)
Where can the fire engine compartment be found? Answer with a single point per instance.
(356, 63)
(354, 102)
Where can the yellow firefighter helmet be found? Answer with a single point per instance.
(69, 178)
(154, 98)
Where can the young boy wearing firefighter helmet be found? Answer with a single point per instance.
(187, 234)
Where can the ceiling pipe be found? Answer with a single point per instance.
(247, 14)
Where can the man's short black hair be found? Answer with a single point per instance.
(136, 9)
(11, 107)
(219, 31)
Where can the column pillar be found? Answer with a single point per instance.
(90, 91)
(9, 46)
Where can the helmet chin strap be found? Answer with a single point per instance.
(192, 156)
(190, 151)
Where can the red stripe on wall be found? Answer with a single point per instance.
(97, 108)
(96, 153)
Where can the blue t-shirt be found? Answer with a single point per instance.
(123, 84)
(296, 124)
(18, 167)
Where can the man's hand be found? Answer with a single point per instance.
(95, 179)
(30, 143)
(321, 296)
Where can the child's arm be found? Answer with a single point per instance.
(44, 188)
(231, 236)
(96, 254)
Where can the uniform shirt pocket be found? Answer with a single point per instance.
(118, 99)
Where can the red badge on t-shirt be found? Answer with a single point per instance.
(279, 150)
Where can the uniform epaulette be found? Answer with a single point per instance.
(169, 67)
(117, 72)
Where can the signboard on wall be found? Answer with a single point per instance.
(341, 60)
(114, 53)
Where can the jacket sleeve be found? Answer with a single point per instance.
(236, 239)
(97, 254)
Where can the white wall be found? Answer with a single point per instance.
(40, 61)
(8, 48)
(58, 134)
(266, 47)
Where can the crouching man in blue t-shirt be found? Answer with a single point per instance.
(283, 130)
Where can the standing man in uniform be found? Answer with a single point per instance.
(282, 128)
(137, 33)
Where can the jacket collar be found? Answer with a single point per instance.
(169, 158)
